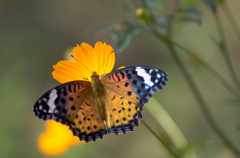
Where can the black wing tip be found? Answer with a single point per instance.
(49, 116)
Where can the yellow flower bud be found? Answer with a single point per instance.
(143, 14)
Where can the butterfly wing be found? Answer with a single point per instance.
(127, 90)
(72, 104)
(88, 124)
(122, 114)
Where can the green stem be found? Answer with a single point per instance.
(229, 15)
(202, 104)
(165, 145)
(170, 127)
(223, 48)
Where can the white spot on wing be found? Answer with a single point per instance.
(147, 78)
(52, 97)
(40, 107)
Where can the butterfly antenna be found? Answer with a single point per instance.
(105, 60)
(81, 64)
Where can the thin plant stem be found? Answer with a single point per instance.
(170, 127)
(160, 140)
(223, 47)
(230, 17)
(203, 106)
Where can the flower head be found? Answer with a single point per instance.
(100, 59)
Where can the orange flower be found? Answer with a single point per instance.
(101, 59)
(58, 138)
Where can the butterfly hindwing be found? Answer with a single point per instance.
(122, 114)
(128, 90)
(88, 124)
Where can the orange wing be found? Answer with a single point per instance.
(127, 90)
(122, 115)
(88, 124)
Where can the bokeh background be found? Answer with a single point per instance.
(34, 35)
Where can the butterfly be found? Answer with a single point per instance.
(110, 103)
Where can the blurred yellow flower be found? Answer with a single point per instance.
(56, 139)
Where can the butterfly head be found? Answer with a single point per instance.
(95, 76)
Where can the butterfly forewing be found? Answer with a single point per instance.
(127, 90)
(62, 102)
(137, 84)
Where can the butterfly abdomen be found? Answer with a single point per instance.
(98, 93)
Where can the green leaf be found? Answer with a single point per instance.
(116, 34)
(218, 43)
(125, 29)
(106, 28)
(123, 43)
(211, 4)
(188, 19)
(192, 10)
(152, 4)
(187, 3)
(221, 46)
(132, 30)
(221, 1)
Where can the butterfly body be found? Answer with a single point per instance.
(111, 103)
(98, 93)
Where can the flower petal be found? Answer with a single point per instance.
(56, 139)
(66, 71)
(104, 57)
(83, 56)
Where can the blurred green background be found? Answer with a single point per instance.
(34, 36)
